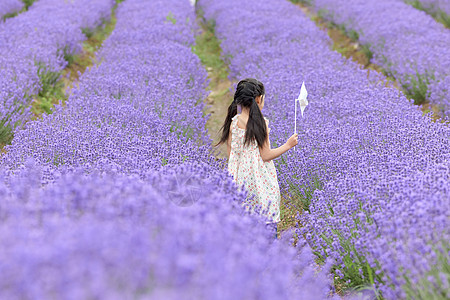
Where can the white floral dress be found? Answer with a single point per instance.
(258, 177)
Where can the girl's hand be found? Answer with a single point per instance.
(292, 141)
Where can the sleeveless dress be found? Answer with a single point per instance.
(259, 177)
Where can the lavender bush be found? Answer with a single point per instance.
(10, 7)
(86, 215)
(36, 46)
(407, 43)
(370, 174)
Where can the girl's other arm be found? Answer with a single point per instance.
(267, 154)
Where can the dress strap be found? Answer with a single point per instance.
(234, 122)
(236, 146)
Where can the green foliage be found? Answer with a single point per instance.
(323, 14)
(6, 134)
(57, 160)
(367, 52)
(353, 34)
(48, 79)
(117, 96)
(186, 132)
(358, 274)
(350, 33)
(302, 195)
(211, 25)
(28, 3)
(170, 17)
(68, 55)
(51, 89)
(191, 81)
(417, 89)
(354, 263)
(6, 126)
(416, 4)
(443, 18)
(88, 32)
(342, 50)
(304, 2)
(10, 15)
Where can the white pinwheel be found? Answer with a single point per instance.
(301, 99)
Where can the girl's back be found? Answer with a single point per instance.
(259, 177)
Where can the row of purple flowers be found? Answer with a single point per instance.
(406, 42)
(370, 174)
(437, 8)
(35, 47)
(117, 196)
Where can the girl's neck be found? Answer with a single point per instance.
(244, 112)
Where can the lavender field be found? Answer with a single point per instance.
(116, 192)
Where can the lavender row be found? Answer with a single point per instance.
(116, 226)
(112, 236)
(36, 47)
(10, 7)
(139, 112)
(439, 9)
(406, 42)
(365, 154)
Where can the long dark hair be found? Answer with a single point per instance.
(246, 92)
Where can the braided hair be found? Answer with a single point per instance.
(246, 92)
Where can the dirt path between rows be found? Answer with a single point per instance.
(217, 105)
(207, 48)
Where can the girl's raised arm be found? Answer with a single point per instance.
(267, 154)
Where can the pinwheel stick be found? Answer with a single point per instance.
(295, 121)
(303, 103)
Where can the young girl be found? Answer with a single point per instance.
(250, 156)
